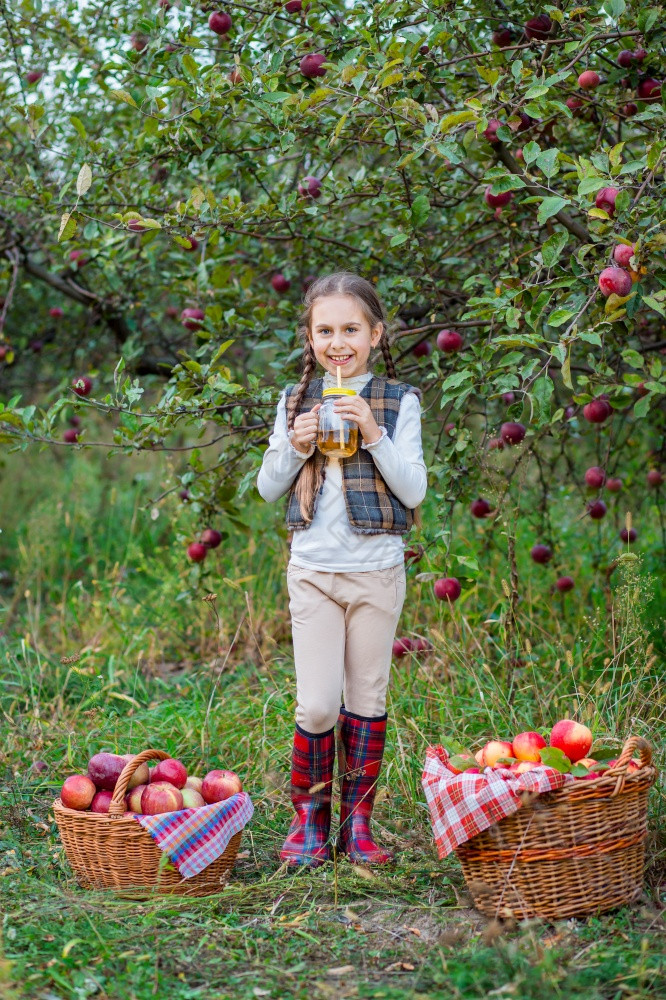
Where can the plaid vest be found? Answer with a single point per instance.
(371, 507)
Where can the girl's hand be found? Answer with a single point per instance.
(305, 429)
(356, 408)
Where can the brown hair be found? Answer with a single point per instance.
(340, 283)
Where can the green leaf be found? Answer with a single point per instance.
(67, 227)
(452, 121)
(550, 207)
(461, 763)
(531, 151)
(553, 247)
(78, 125)
(552, 757)
(122, 95)
(420, 210)
(190, 65)
(642, 406)
(560, 316)
(399, 239)
(547, 162)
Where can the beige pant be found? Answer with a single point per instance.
(343, 626)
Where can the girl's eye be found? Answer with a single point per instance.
(349, 328)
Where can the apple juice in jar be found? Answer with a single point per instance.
(336, 438)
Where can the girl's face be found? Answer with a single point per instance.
(341, 335)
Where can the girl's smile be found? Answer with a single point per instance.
(341, 335)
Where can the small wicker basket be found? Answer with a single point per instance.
(567, 853)
(112, 851)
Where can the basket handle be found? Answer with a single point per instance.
(633, 744)
(117, 804)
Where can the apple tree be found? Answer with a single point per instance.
(174, 174)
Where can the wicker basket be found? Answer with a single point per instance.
(112, 851)
(574, 851)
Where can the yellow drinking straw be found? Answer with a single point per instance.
(342, 426)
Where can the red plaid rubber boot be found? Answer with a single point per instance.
(361, 750)
(312, 761)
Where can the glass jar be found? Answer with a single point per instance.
(336, 438)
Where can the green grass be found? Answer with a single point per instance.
(88, 573)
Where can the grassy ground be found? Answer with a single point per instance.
(89, 572)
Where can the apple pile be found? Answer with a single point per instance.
(566, 751)
(166, 787)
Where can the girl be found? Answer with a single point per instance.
(346, 573)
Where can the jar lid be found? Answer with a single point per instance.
(334, 391)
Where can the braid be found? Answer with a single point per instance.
(386, 352)
(309, 480)
(309, 367)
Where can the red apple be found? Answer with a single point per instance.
(615, 279)
(541, 554)
(220, 785)
(574, 103)
(195, 782)
(625, 58)
(613, 485)
(56, 312)
(133, 799)
(605, 199)
(597, 411)
(192, 319)
(491, 131)
(622, 254)
(654, 478)
(170, 770)
(447, 588)
(82, 385)
(629, 109)
(450, 430)
(104, 770)
(480, 508)
(310, 187)
(588, 762)
(139, 42)
(538, 27)
(293, 6)
(629, 536)
(71, 436)
(595, 477)
(219, 22)
(196, 551)
(211, 538)
(311, 64)
(495, 444)
(564, 584)
(649, 89)
(526, 746)
(572, 738)
(588, 79)
(77, 791)
(414, 555)
(101, 802)
(522, 766)
(77, 258)
(141, 776)
(495, 749)
(596, 509)
(478, 756)
(192, 799)
(422, 349)
(463, 756)
(502, 36)
(280, 283)
(449, 341)
(160, 797)
(34, 75)
(402, 646)
(508, 398)
(512, 433)
(192, 243)
(639, 54)
(497, 200)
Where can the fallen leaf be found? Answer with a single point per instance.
(341, 970)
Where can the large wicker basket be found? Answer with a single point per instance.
(112, 851)
(571, 852)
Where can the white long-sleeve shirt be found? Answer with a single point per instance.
(329, 544)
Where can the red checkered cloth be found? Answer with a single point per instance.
(193, 838)
(462, 805)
